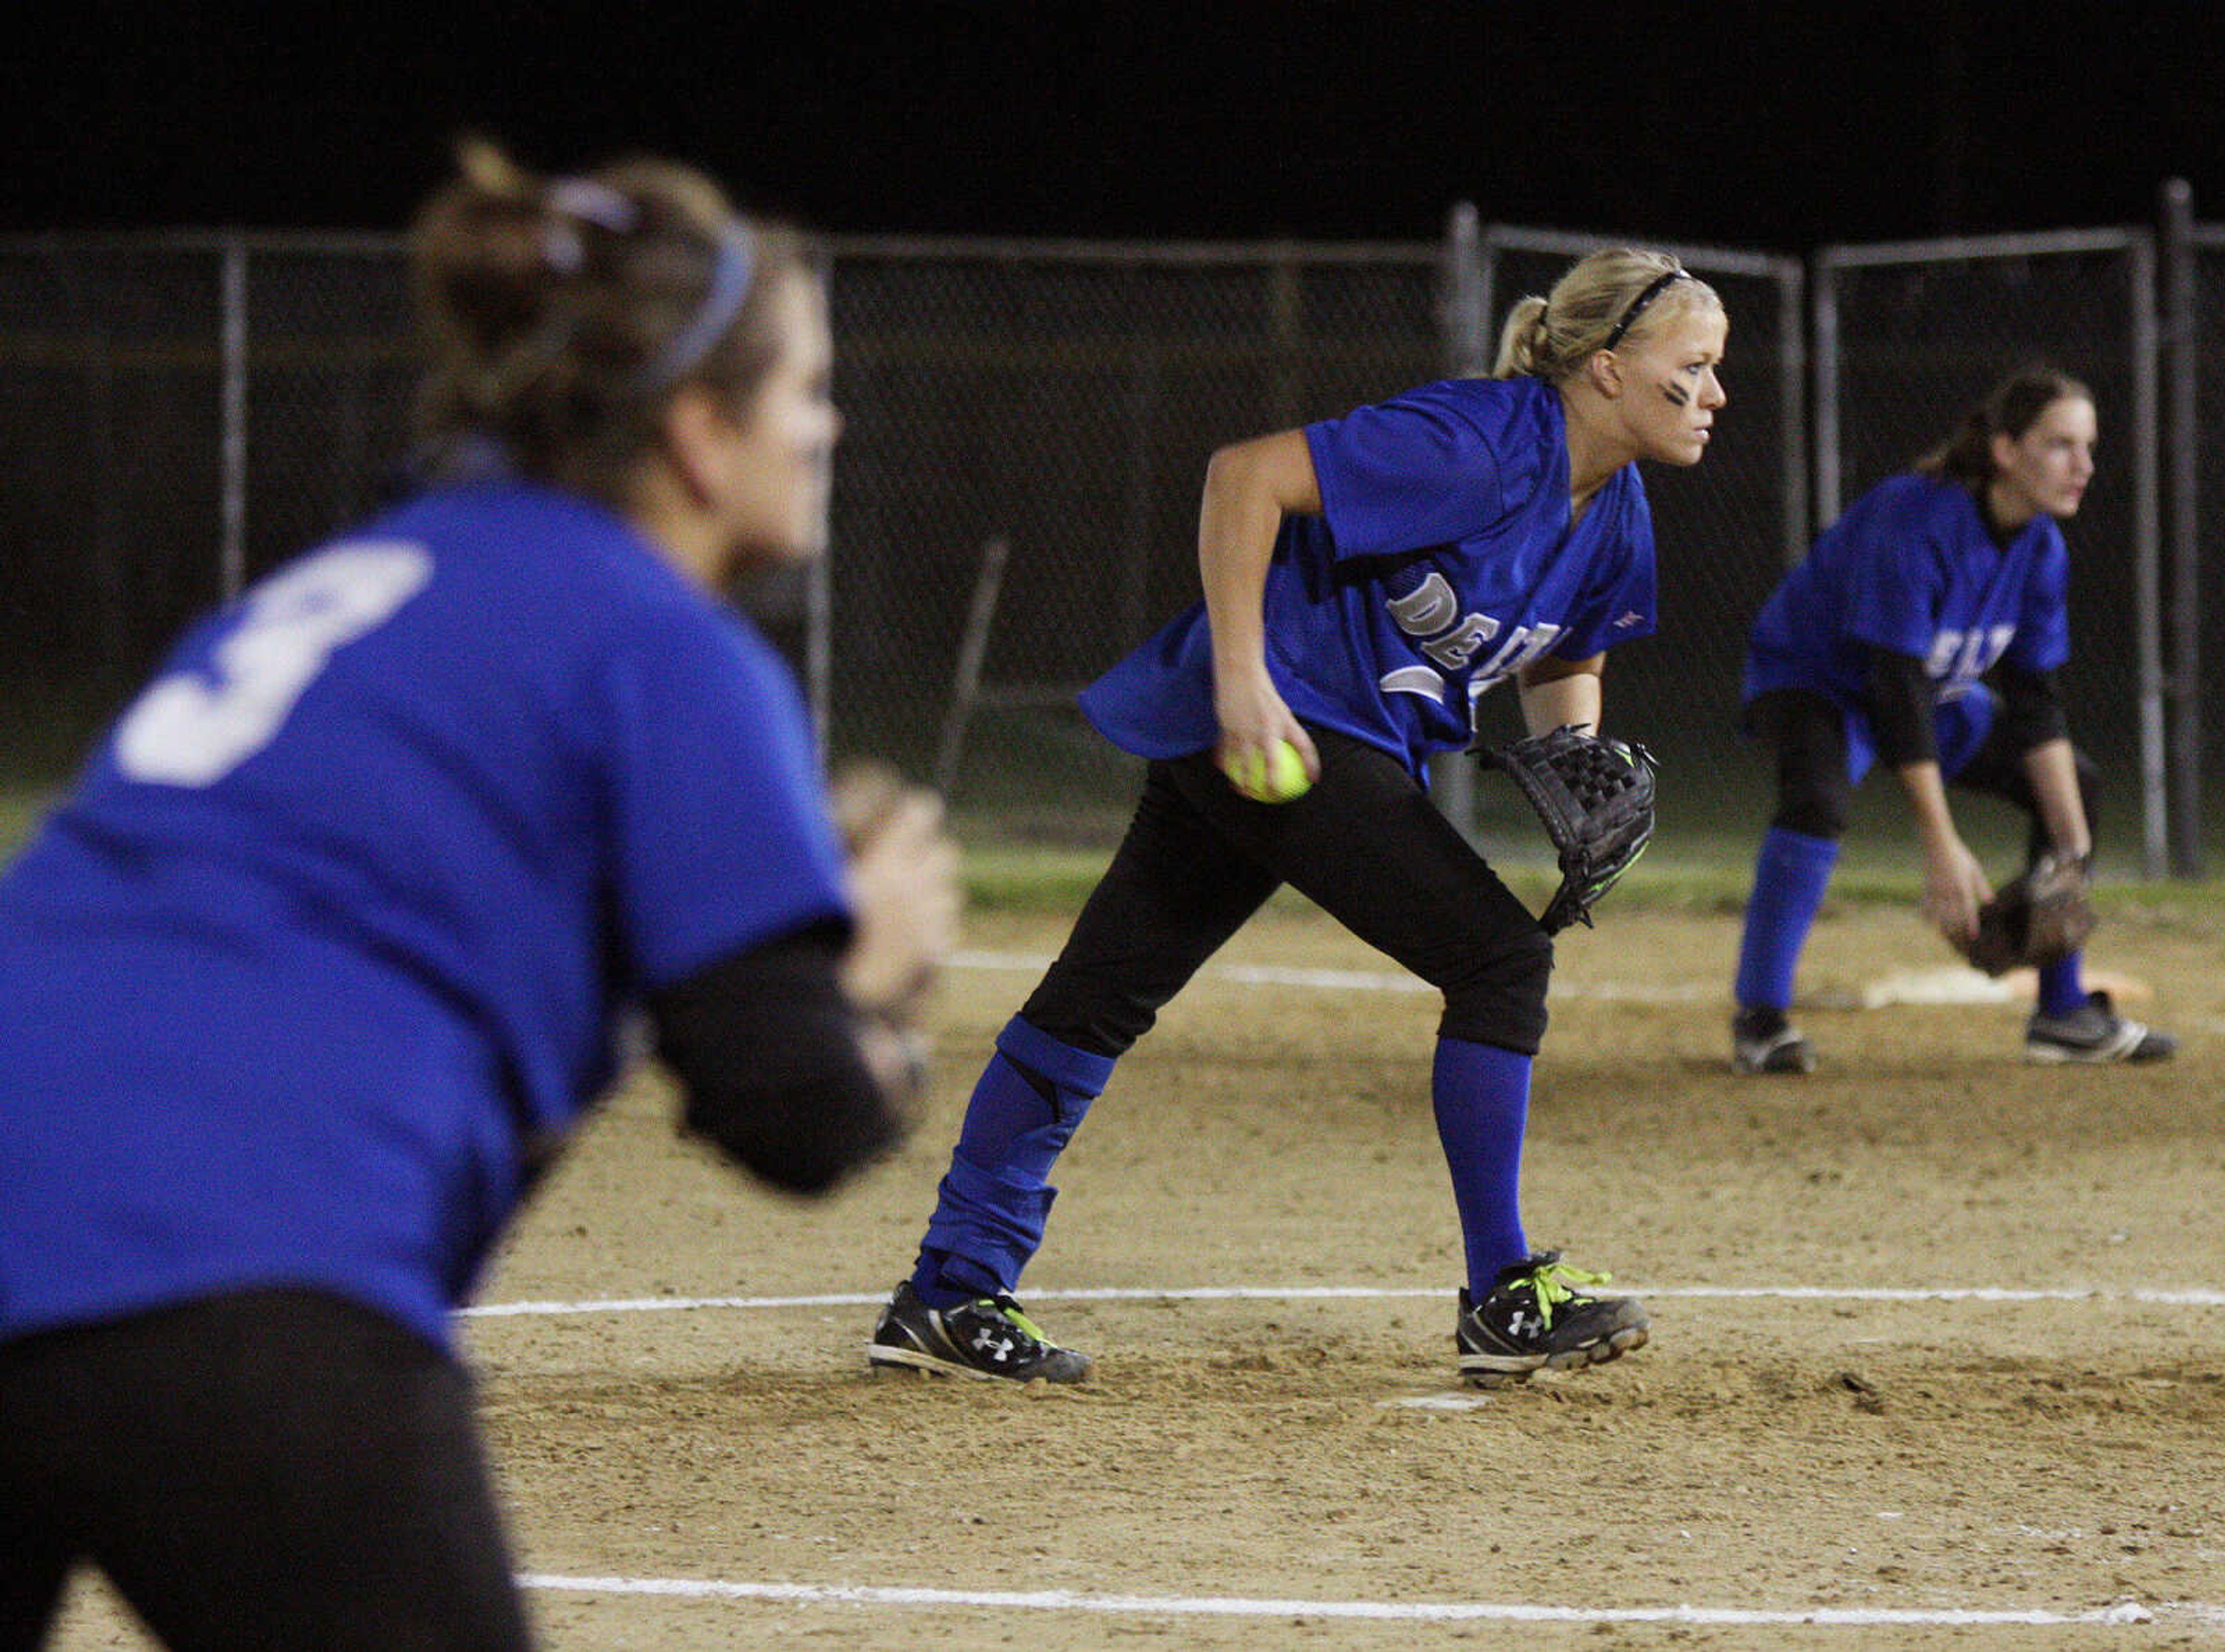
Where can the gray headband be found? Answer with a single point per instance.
(731, 271)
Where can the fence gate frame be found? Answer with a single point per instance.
(2138, 246)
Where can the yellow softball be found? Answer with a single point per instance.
(1277, 777)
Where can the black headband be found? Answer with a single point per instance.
(1637, 305)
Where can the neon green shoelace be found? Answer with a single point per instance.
(1551, 1282)
(1011, 1313)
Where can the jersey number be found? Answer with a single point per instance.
(193, 728)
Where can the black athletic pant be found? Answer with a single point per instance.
(1365, 844)
(277, 1469)
(1809, 734)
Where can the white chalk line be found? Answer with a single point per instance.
(2194, 1297)
(1364, 980)
(1954, 984)
(2122, 1612)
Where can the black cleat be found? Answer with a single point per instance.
(1535, 1319)
(989, 1338)
(2093, 1031)
(1763, 1040)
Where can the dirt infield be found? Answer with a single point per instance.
(1939, 1357)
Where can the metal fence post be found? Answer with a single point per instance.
(232, 496)
(1793, 416)
(1827, 393)
(2147, 573)
(1465, 318)
(1284, 300)
(2181, 439)
(819, 581)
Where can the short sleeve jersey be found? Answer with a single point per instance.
(1442, 560)
(349, 907)
(1911, 568)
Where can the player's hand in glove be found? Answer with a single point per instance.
(1954, 889)
(1595, 797)
(905, 892)
(903, 887)
(2039, 918)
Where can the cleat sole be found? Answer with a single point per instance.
(882, 1358)
(1487, 1371)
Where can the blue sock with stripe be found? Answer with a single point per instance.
(993, 1203)
(1481, 1094)
(1789, 876)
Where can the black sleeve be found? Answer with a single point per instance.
(765, 1046)
(1900, 709)
(2031, 706)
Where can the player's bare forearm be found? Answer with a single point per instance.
(2053, 769)
(1955, 885)
(1250, 487)
(1556, 693)
(1926, 791)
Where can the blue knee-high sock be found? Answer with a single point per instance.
(2063, 986)
(1482, 1098)
(991, 1205)
(1789, 876)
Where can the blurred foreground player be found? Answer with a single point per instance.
(1367, 580)
(330, 948)
(1925, 631)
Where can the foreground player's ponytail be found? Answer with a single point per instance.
(1610, 299)
(2010, 408)
(558, 316)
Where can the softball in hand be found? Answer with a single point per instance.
(1277, 777)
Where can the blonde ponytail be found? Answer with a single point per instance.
(1521, 339)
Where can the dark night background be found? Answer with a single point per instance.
(1779, 127)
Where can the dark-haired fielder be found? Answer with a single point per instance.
(1925, 631)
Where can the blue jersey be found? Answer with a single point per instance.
(350, 904)
(1442, 562)
(1911, 568)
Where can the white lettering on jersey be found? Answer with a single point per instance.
(1517, 651)
(1413, 679)
(1427, 609)
(1426, 613)
(189, 728)
(1965, 656)
(1457, 646)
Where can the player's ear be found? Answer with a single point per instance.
(2002, 449)
(1605, 373)
(698, 429)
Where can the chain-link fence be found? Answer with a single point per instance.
(1017, 489)
(176, 413)
(1027, 425)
